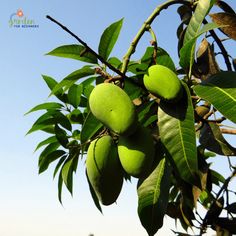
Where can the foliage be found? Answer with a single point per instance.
(183, 132)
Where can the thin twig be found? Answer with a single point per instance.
(88, 48)
(228, 131)
(221, 46)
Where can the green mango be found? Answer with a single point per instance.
(136, 152)
(113, 107)
(163, 83)
(104, 170)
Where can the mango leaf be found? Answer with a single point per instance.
(212, 139)
(47, 159)
(51, 139)
(231, 208)
(90, 127)
(176, 127)
(220, 91)
(187, 51)
(228, 19)
(51, 83)
(153, 198)
(74, 95)
(46, 106)
(109, 38)
(61, 136)
(71, 79)
(74, 51)
(227, 224)
(93, 194)
(59, 186)
(59, 163)
(63, 120)
(67, 174)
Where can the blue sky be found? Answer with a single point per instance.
(29, 205)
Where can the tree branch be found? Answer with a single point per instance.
(145, 27)
(228, 131)
(88, 48)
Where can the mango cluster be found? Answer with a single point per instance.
(132, 153)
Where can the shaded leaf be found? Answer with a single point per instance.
(67, 174)
(212, 139)
(224, 6)
(93, 194)
(90, 127)
(153, 197)
(228, 224)
(74, 95)
(74, 51)
(220, 91)
(63, 120)
(229, 22)
(61, 136)
(46, 160)
(109, 38)
(51, 139)
(59, 186)
(231, 208)
(71, 79)
(176, 127)
(60, 162)
(217, 178)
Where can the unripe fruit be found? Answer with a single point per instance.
(163, 82)
(136, 152)
(104, 169)
(113, 107)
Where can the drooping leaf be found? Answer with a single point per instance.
(225, 6)
(220, 91)
(74, 95)
(90, 127)
(153, 197)
(74, 51)
(176, 127)
(109, 38)
(231, 208)
(46, 106)
(60, 162)
(93, 194)
(59, 186)
(61, 136)
(212, 139)
(227, 19)
(47, 159)
(69, 80)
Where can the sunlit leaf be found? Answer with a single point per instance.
(153, 197)
(51, 139)
(74, 51)
(71, 79)
(176, 127)
(109, 38)
(67, 174)
(46, 106)
(220, 91)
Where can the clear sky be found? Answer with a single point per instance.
(28, 202)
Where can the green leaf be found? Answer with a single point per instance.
(109, 38)
(61, 136)
(46, 160)
(59, 186)
(51, 139)
(46, 106)
(212, 139)
(187, 51)
(51, 83)
(60, 162)
(74, 51)
(153, 197)
(176, 127)
(63, 120)
(74, 95)
(90, 127)
(196, 20)
(67, 174)
(93, 194)
(220, 91)
(71, 79)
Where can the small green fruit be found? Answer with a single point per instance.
(113, 107)
(163, 82)
(136, 152)
(104, 169)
